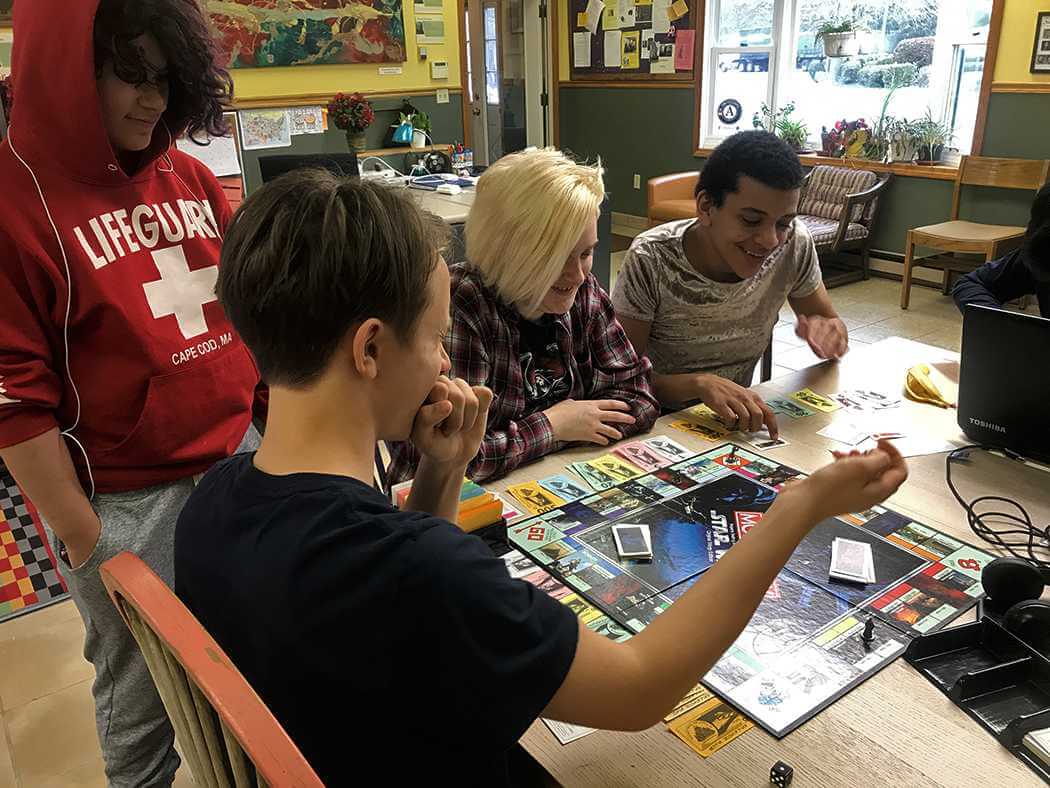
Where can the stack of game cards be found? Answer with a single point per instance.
(852, 561)
(1038, 743)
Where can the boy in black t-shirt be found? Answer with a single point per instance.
(391, 638)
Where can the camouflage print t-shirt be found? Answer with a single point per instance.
(698, 324)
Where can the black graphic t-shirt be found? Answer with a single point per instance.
(542, 369)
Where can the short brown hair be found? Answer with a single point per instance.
(310, 254)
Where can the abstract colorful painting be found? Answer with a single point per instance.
(255, 33)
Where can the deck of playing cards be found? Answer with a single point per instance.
(852, 561)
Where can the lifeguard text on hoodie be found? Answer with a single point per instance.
(109, 324)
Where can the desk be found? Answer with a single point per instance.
(453, 208)
(896, 729)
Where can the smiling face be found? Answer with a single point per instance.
(131, 112)
(751, 224)
(562, 294)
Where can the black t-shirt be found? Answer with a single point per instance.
(546, 381)
(379, 638)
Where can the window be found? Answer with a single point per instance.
(916, 57)
(491, 56)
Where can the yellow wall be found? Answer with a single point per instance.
(1015, 42)
(257, 83)
(564, 55)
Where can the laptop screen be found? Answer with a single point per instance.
(1004, 380)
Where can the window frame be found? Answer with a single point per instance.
(707, 35)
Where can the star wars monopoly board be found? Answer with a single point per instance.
(802, 650)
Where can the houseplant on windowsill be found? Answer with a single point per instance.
(839, 38)
(933, 137)
(904, 139)
(354, 114)
(779, 122)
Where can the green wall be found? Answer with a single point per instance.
(650, 132)
(447, 120)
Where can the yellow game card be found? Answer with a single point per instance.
(677, 10)
(705, 431)
(710, 727)
(617, 468)
(697, 695)
(534, 498)
(812, 399)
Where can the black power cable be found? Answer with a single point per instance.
(1025, 535)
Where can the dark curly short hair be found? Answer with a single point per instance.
(757, 154)
(199, 87)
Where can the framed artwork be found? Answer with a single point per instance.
(1041, 47)
(5, 11)
(260, 33)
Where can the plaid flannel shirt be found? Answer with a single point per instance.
(483, 344)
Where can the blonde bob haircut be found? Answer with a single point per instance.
(528, 215)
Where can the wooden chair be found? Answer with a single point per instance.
(223, 728)
(955, 236)
(233, 188)
(671, 197)
(839, 207)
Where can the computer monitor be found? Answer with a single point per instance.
(1004, 380)
(337, 163)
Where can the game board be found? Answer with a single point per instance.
(802, 650)
(27, 566)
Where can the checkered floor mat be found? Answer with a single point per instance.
(27, 566)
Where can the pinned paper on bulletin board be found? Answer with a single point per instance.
(581, 49)
(612, 48)
(647, 45)
(581, 19)
(629, 55)
(594, 16)
(683, 50)
(678, 9)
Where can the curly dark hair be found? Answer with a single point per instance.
(757, 154)
(199, 87)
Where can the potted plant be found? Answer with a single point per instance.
(839, 38)
(794, 133)
(904, 139)
(353, 113)
(421, 130)
(779, 122)
(932, 136)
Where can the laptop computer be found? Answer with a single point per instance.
(1004, 380)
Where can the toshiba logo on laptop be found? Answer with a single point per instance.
(987, 425)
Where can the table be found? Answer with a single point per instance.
(895, 729)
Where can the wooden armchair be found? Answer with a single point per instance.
(955, 237)
(671, 197)
(839, 207)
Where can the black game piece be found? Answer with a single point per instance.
(731, 457)
(868, 634)
(781, 774)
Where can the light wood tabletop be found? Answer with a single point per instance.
(453, 208)
(896, 729)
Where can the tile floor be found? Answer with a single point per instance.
(48, 736)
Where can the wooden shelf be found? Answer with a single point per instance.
(937, 172)
(361, 154)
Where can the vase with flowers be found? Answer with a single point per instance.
(354, 114)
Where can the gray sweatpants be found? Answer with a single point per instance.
(136, 737)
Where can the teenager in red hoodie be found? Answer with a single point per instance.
(120, 377)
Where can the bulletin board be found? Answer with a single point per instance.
(633, 40)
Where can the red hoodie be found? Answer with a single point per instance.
(109, 324)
